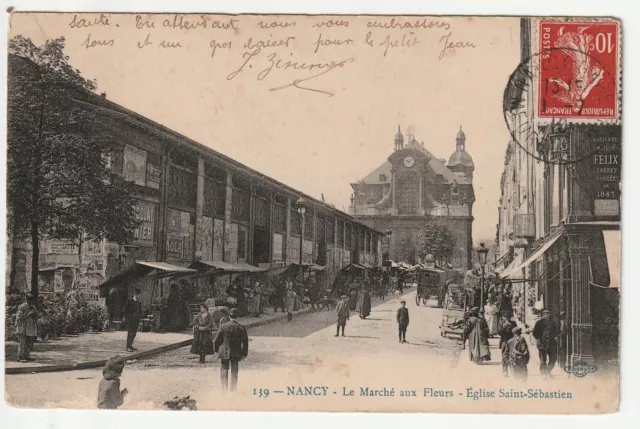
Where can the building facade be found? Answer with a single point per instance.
(558, 231)
(413, 188)
(195, 204)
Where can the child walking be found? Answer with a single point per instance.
(110, 397)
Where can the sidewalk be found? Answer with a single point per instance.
(91, 350)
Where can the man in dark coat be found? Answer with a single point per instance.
(505, 330)
(342, 311)
(132, 316)
(545, 332)
(232, 345)
(402, 317)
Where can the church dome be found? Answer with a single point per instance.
(460, 157)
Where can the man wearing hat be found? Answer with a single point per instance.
(342, 310)
(545, 332)
(505, 330)
(518, 354)
(402, 317)
(132, 316)
(232, 345)
(26, 327)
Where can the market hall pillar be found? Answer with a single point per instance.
(580, 245)
(199, 210)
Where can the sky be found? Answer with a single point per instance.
(319, 139)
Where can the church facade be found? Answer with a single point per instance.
(412, 189)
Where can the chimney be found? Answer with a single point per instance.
(103, 95)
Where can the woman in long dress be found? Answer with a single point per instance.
(477, 332)
(491, 316)
(365, 305)
(203, 324)
(518, 354)
(291, 301)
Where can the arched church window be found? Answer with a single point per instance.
(408, 193)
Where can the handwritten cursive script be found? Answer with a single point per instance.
(448, 45)
(296, 83)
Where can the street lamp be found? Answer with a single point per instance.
(300, 207)
(482, 258)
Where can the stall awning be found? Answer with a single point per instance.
(612, 248)
(163, 266)
(251, 268)
(545, 245)
(140, 269)
(510, 271)
(221, 267)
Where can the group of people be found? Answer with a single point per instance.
(343, 313)
(231, 343)
(479, 326)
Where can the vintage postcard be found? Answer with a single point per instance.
(313, 213)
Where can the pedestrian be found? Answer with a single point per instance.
(256, 296)
(353, 298)
(506, 333)
(365, 305)
(132, 316)
(26, 327)
(477, 332)
(545, 332)
(232, 346)
(291, 302)
(491, 316)
(110, 397)
(203, 325)
(402, 317)
(342, 311)
(518, 354)
(442, 292)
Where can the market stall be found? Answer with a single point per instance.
(116, 289)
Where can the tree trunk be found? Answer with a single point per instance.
(35, 260)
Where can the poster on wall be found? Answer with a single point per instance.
(180, 234)
(145, 213)
(307, 252)
(277, 247)
(154, 171)
(218, 239)
(205, 239)
(135, 165)
(231, 243)
(58, 282)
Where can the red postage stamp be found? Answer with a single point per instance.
(578, 70)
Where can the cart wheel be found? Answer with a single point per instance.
(417, 300)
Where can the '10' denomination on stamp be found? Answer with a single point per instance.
(579, 69)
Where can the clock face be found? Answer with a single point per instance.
(409, 161)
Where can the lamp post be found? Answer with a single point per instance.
(482, 258)
(300, 207)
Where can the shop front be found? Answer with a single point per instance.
(576, 269)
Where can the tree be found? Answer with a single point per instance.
(59, 185)
(438, 241)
